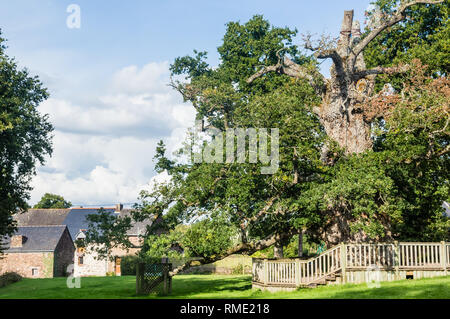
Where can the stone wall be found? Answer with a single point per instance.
(120, 252)
(92, 265)
(233, 264)
(23, 263)
(64, 254)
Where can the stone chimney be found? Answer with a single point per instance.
(17, 241)
(119, 207)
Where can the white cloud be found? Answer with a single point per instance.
(131, 79)
(103, 151)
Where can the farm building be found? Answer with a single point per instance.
(38, 251)
(84, 259)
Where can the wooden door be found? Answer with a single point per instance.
(117, 266)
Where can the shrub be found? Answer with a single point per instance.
(241, 269)
(9, 278)
(128, 265)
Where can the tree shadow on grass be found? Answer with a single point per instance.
(187, 285)
(430, 291)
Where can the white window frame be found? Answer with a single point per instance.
(34, 271)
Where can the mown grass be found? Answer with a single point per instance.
(216, 286)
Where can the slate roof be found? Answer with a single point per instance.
(138, 228)
(35, 217)
(74, 218)
(38, 238)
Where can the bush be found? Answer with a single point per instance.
(241, 269)
(128, 265)
(110, 274)
(9, 278)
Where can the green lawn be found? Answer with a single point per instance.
(215, 286)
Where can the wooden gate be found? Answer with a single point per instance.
(153, 278)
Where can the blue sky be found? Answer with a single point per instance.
(109, 100)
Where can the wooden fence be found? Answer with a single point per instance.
(153, 278)
(353, 262)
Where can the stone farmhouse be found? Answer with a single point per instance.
(60, 252)
(38, 251)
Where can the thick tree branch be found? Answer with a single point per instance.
(248, 248)
(294, 70)
(264, 211)
(398, 16)
(381, 70)
(273, 68)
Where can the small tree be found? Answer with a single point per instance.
(52, 201)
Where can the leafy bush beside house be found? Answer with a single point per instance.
(9, 278)
(128, 265)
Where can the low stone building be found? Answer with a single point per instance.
(85, 260)
(38, 251)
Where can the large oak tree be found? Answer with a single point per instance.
(356, 164)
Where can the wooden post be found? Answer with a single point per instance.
(343, 262)
(165, 278)
(266, 277)
(297, 272)
(444, 257)
(397, 260)
(139, 278)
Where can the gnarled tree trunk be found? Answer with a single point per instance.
(344, 95)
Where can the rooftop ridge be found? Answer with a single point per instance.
(42, 226)
(46, 209)
(91, 208)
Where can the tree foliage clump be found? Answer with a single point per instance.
(25, 137)
(52, 201)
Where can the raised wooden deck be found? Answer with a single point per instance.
(354, 263)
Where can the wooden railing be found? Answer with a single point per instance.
(327, 263)
(424, 255)
(366, 255)
(351, 257)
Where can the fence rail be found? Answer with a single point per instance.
(344, 258)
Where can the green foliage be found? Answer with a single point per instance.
(52, 201)
(107, 230)
(208, 237)
(415, 154)
(215, 199)
(241, 269)
(162, 162)
(25, 137)
(9, 278)
(424, 35)
(128, 265)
